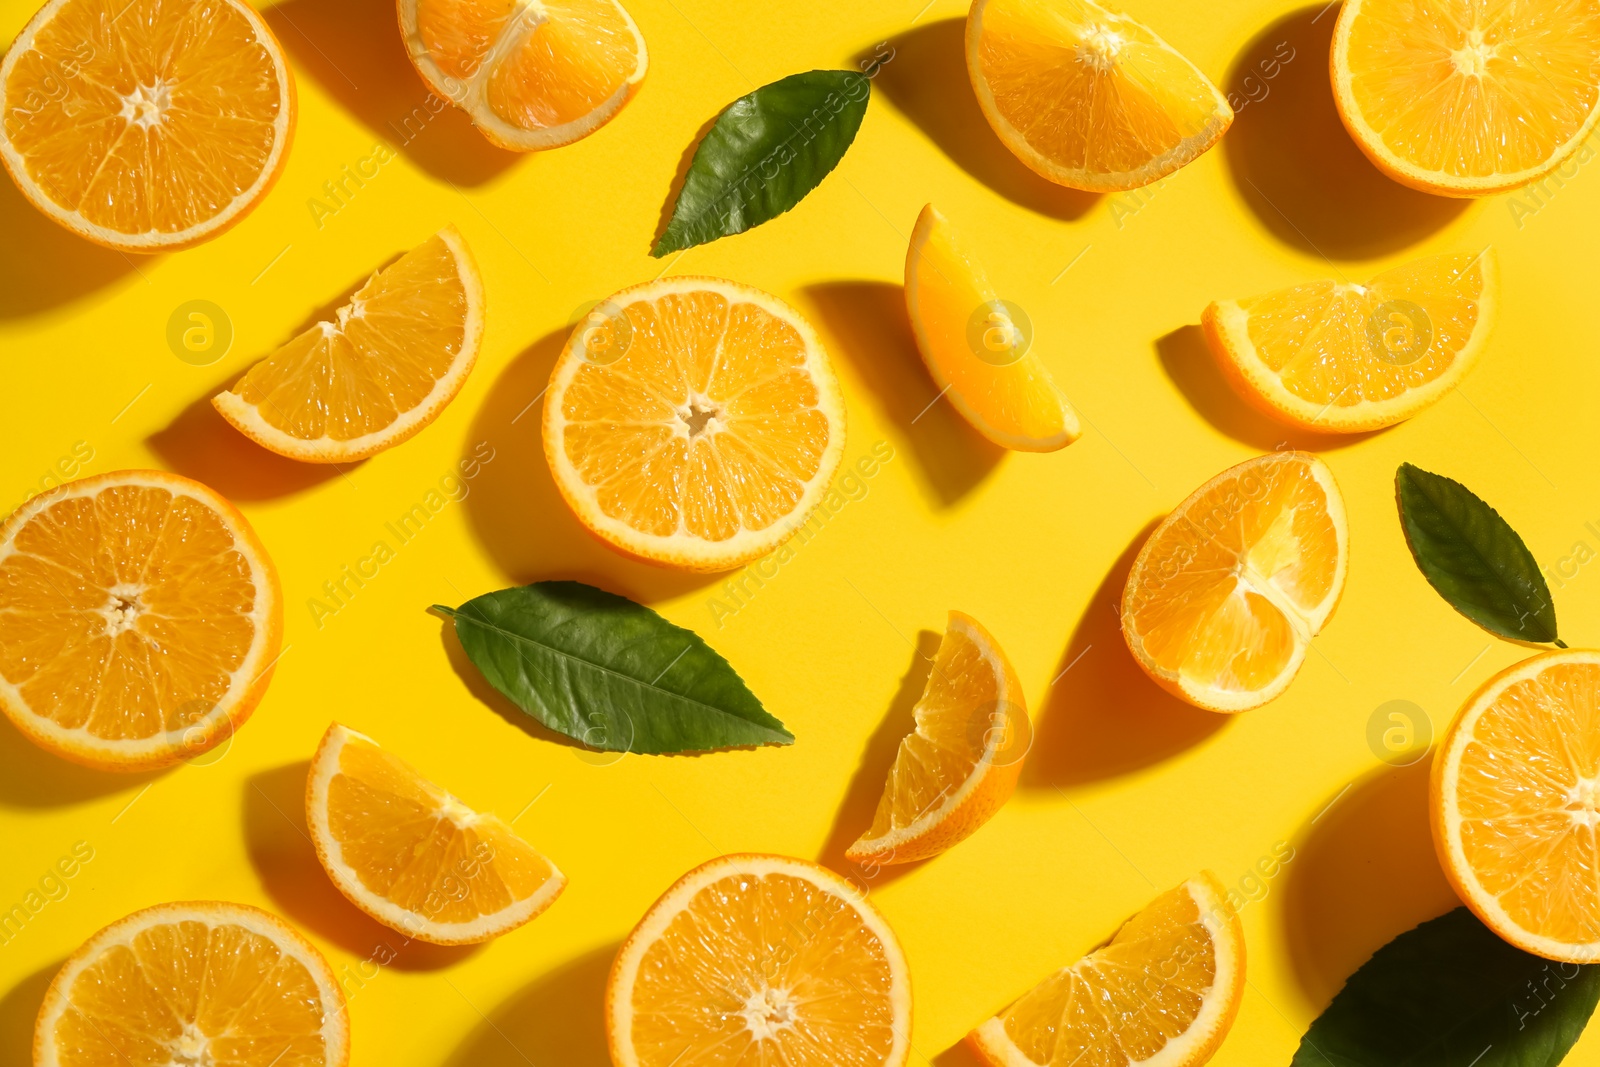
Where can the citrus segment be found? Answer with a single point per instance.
(414, 857)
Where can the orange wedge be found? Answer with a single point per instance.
(149, 130)
(201, 982)
(1086, 97)
(976, 348)
(1165, 990)
(1514, 799)
(693, 422)
(1342, 358)
(1461, 98)
(532, 76)
(380, 372)
(1228, 591)
(961, 762)
(760, 960)
(414, 857)
(140, 619)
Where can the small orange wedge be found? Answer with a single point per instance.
(531, 75)
(1165, 990)
(976, 348)
(414, 857)
(380, 372)
(146, 130)
(961, 763)
(1226, 594)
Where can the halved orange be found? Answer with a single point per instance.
(380, 372)
(1164, 990)
(197, 982)
(1226, 594)
(532, 75)
(1087, 97)
(1462, 98)
(1514, 800)
(976, 348)
(414, 857)
(150, 129)
(754, 960)
(1343, 358)
(140, 619)
(960, 764)
(693, 422)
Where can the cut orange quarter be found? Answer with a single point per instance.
(693, 422)
(532, 75)
(140, 619)
(414, 857)
(978, 347)
(1515, 799)
(1165, 990)
(1087, 97)
(960, 764)
(1461, 98)
(149, 132)
(752, 960)
(380, 372)
(1342, 358)
(201, 982)
(1228, 591)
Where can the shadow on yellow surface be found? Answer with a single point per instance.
(958, 1055)
(45, 264)
(1294, 161)
(869, 323)
(19, 1010)
(558, 1018)
(927, 82)
(680, 175)
(492, 698)
(30, 777)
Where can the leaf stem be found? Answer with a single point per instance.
(1558, 642)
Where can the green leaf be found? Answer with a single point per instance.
(610, 673)
(1473, 557)
(765, 152)
(1448, 994)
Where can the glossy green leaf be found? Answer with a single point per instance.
(765, 152)
(609, 673)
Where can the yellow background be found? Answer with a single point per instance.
(1126, 791)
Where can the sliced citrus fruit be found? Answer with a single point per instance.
(693, 422)
(380, 372)
(1164, 990)
(1461, 98)
(146, 130)
(1515, 801)
(1087, 97)
(978, 347)
(1344, 358)
(200, 982)
(1227, 592)
(140, 619)
(961, 762)
(532, 75)
(760, 959)
(414, 857)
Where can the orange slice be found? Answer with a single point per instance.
(1086, 97)
(140, 619)
(532, 75)
(380, 372)
(1462, 98)
(414, 857)
(1344, 358)
(1514, 799)
(961, 762)
(1165, 990)
(978, 347)
(693, 422)
(146, 130)
(201, 982)
(752, 960)
(1228, 591)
